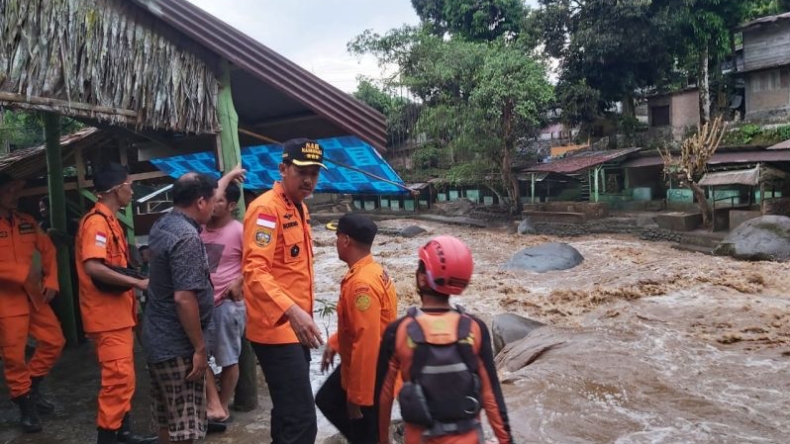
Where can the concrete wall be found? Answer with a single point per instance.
(768, 94)
(684, 112)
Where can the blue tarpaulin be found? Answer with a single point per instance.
(261, 164)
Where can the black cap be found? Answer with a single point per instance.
(303, 152)
(358, 227)
(109, 176)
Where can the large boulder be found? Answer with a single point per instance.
(546, 257)
(508, 327)
(453, 208)
(759, 239)
(526, 227)
(411, 231)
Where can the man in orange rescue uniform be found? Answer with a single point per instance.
(277, 263)
(24, 306)
(107, 302)
(444, 356)
(367, 304)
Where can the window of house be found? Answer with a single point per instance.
(659, 116)
(766, 81)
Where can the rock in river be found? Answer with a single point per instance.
(760, 239)
(546, 257)
(509, 327)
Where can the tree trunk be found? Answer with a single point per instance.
(511, 183)
(702, 203)
(629, 110)
(703, 83)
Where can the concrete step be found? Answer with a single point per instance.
(694, 248)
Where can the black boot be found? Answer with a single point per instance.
(42, 404)
(107, 436)
(28, 415)
(125, 435)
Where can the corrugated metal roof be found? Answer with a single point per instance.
(270, 67)
(581, 161)
(738, 177)
(719, 158)
(752, 176)
(27, 162)
(781, 146)
(765, 20)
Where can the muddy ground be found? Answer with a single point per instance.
(713, 323)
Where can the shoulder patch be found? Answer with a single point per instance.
(101, 239)
(263, 236)
(266, 221)
(361, 289)
(362, 302)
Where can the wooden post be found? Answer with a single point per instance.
(762, 197)
(603, 179)
(57, 209)
(596, 171)
(532, 187)
(129, 210)
(228, 156)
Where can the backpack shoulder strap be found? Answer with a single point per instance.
(466, 341)
(417, 337)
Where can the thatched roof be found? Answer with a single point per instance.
(26, 162)
(104, 60)
(154, 64)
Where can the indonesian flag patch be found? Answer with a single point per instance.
(266, 221)
(101, 239)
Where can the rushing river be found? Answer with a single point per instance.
(645, 343)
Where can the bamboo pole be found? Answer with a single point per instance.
(57, 198)
(228, 156)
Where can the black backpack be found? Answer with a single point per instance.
(443, 394)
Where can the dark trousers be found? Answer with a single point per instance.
(286, 368)
(331, 400)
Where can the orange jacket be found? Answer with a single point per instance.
(367, 304)
(20, 238)
(397, 352)
(101, 237)
(277, 262)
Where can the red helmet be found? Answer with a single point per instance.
(448, 264)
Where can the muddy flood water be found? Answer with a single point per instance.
(643, 344)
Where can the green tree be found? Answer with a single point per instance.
(613, 47)
(475, 20)
(24, 129)
(702, 30)
(513, 94)
(400, 112)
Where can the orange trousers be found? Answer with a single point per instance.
(44, 327)
(115, 351)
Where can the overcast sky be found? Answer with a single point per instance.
(314, 33)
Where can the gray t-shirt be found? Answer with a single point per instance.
(178, 263)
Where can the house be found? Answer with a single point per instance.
(670, 115)
(766, 70)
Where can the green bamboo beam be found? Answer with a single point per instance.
(246, 396)
(596, 174)
(57, 198)
(532, 187)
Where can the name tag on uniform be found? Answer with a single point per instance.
(101, 239)
(27, 228)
